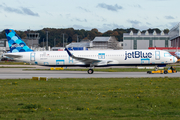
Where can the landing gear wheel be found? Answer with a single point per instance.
(165, 72)
(90, 71)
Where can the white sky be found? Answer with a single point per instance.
(88, 14)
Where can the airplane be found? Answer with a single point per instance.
(92, 58)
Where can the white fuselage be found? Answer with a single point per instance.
(116, 57)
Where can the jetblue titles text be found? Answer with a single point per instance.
(137, 54)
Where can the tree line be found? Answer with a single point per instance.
(72, 35)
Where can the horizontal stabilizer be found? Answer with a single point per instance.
(12, 55)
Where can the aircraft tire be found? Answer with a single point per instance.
(90, 71)
(165, 72)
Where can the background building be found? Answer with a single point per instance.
(174, 36)
(3, 46)
(98, 43)
(106, 43)
(144, 40)
(83, 45)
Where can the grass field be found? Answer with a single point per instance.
(12, 63)
(91, 98)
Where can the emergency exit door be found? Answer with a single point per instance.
(32, 56)
(157, 55)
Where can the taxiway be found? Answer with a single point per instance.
(19, 73)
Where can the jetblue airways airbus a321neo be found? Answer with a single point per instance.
(99, 58)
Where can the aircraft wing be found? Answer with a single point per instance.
(88, 60)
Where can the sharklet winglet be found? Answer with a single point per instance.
(69, 53)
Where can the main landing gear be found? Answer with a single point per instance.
(91, 71)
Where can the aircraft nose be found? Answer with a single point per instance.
(175, 59)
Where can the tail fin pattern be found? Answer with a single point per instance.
(15, 42)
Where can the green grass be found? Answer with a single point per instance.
(91, 98)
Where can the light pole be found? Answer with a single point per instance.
(54, 42)
(46, 40)
(77, 39)
(43, 44)
(63, 39)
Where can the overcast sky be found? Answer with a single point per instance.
(88, 14)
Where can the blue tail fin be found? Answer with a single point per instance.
(15, 42)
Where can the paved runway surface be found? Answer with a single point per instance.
(16, 73)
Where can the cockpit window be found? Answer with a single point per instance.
(167, 54)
